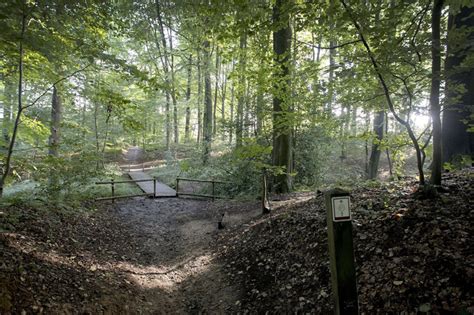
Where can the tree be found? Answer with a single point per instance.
(282, 148)
(207, 120)
(434, 93)
(457, 140)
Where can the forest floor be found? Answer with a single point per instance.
(148, 256)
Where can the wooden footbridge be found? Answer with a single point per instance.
(151, 186)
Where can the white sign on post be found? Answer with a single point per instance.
(341, 209)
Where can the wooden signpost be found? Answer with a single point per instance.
(341, 252)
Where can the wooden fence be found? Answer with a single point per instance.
(113, 182)
(213, 182)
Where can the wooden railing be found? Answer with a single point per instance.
(113, 182)
(213, 182)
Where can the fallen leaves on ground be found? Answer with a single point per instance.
(411, 255)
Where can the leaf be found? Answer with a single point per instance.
(425, 308)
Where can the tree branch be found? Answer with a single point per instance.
(330, 47)
(53, 85)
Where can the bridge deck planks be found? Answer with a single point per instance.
(162, 190)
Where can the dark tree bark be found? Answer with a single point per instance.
(281, 154)
(434, 94)
(379, 121)
(207, 122)
(187, 128)
(458, 108)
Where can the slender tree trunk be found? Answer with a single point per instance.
(187, 129)
(84, 111)
(281, 153)
(169, 76)
(231, 128)
(54, 138)
(332, 65)
(199, 99)
(216, 90)
(259, 111)
(168, 121)
(366, 144)
(7, 164)
(387, 151)
(173, 93)
(223, 95)
(387, 94)
(241, 87)
(246, 112)
(434, 94)
(207, 131)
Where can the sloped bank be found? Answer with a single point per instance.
(412, 255)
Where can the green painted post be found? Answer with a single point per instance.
(341, 252)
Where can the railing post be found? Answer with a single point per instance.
(177, 186)
(113, 191)
(213, 190)
(265, 206)
(154, 187)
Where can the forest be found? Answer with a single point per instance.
(249, 112)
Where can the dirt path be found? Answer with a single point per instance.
(174, 267)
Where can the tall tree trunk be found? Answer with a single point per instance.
(281, 153)
(173, 93)
(7, 163)
(207, 123)
(168, 121)
(241, 87)
(332, 64)
(169, 76)
(434, 94)
(366, 142)
(199, 99)
(246, 113)
(187, 129)
(259, 110)
(231, 128)
(379, 120)
(54, 139)
(456, 140)
(223, 96)
(216, 90)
